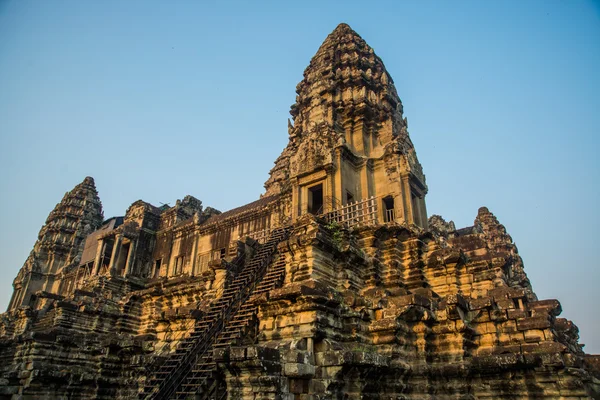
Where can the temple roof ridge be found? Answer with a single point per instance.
(343, 38)
(343, 60)
(339, 32)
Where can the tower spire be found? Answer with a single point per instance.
(345, 76)
(59, 242)
(348, 117)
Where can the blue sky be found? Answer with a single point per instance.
(157, 100)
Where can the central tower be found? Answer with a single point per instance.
(349, 141)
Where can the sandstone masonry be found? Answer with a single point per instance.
(335, 284)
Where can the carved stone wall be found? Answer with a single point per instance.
(393, 312)
(398, 307)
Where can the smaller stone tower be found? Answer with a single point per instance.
(59, 244)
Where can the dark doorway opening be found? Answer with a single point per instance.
(349, 197)
(157, 265)
(315, 199)
(388, 209)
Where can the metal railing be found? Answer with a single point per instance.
(361, 212)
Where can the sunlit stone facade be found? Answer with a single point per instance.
(335, 284)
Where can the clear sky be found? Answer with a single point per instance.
(157, 100)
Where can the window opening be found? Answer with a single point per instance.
(157, 265)
(122, 258)
(315, 199)
(178, 265)
(349, 197)
(388, 209)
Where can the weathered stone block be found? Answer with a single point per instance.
(498, 362)
(517, 314)
(533, 323)
(505, 304)
(221, 354)
(534, 335)
(238, 353)
(413, 299)
(515, 348)
(498, 315)
(543, 308)
(297, 370)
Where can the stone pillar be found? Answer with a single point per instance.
(407, 200)
(98, 258)
(357, 137)
(115, 253)
(19, 299)
(220, 280)
(399, 213)
(130, 258)
(194, 253)
(364, 182)
(328, 191)
(14, 296)
(295, 199)
(424, 212)
(24, 290)
(417, 212)
(310, 348)
(77, 277)
(337, 178)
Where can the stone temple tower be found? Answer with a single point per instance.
(332, 285)
(59, 244)
(349, 141)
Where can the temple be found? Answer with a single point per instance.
(334, 284)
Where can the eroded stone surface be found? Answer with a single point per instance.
(361, 296)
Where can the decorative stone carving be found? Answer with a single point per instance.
(287, 304)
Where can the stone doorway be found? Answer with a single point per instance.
(315, 199)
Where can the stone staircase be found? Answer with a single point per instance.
(190, 370)
(202, 376)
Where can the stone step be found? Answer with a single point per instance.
(242, 316)
(267, 281)
(202, 370)
(231, 331)
(275, 272)
(185, 394)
